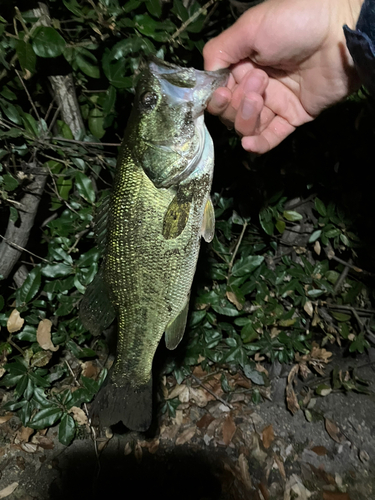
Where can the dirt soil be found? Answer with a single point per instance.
(210, 451)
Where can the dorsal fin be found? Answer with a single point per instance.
(96, 311)
(101, 221)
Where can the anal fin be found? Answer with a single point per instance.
(176, 328)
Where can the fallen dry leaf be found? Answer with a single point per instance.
(205, 421)
(23, 435)
(185, 436)
(232, 297)
(43, 335)
(198, 396)
(90, 369)
(127, 449)
(176, 391)
(44, 442)
(138, 452)
(5, 418)
(154, 446)
(317, 247)
(363, 456)
(29, 447)
(295, 485)
(79, 415)
(280, 466)
(334, 431)
(268, 436)
(308, 307)
(20, 461)
(330, 495)
(291, 399)
(244, 470)
(292, 374)
(256, 451)
(320, 450)
(15, 322)
(5, 492)
(229, 428)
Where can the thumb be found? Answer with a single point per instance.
(234, 44)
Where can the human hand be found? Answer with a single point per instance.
(288, 62)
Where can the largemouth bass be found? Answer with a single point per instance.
(159, 209)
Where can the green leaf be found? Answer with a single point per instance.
(56, 270)
(315, 235)
(265, 219)
(67, 429)
(26, 56)
(340, 316)
(246, 265)
(109, 100)
(30, 287)
(96, 122)
(12, 133)
(11, 112)
(253, 374)
(46, 417)
(85, 187)
(154, 7)
(87, 62)
(280, 226)
(74, 7)
(248, 333)
(64, 130)
(9, 182)
(291, 215)
(320, 207)
(13, 214)
(47, 42)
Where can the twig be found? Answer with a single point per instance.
(13, 344)
(349, 308)
(236, 248)
(28, 95)
(190, 20)
(348, 264)
(18, 247)
(342, 277)
(86, 143)
(211, 392)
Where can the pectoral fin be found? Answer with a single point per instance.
(176, 328)
(96, 311)
(176, 217)
(208, 225)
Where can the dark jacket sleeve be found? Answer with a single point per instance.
(361, 45)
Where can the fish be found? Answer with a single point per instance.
(150, 229)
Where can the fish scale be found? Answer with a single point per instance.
(159, 209)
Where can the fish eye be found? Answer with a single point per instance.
(149, 100)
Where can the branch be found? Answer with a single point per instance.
(18, 236)
(62, 85)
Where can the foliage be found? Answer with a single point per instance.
(253, 300)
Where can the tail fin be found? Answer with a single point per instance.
(133, 406)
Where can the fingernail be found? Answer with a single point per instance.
(219, 101)
(247, 108)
